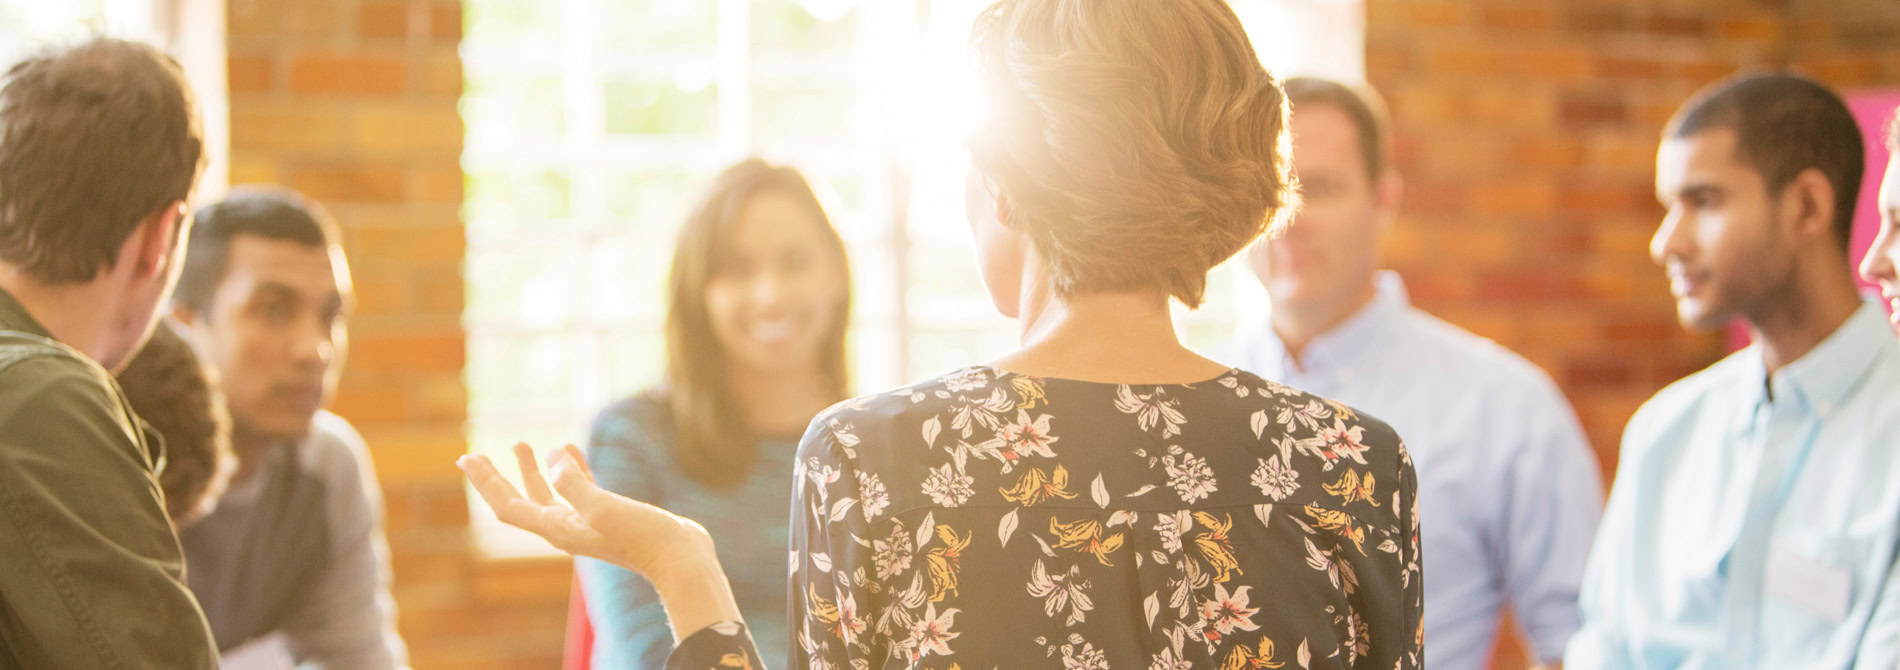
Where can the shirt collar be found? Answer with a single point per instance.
(1827, 375)
(13, 316)
(1366, 330)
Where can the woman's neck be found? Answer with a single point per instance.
(1105, 337)
(778, 403)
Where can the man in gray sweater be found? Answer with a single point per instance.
(293, 560)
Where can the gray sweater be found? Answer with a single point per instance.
(297, 550)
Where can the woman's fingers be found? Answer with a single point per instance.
(494, 490)
(580, 458)
(531, 475)
(571, 480)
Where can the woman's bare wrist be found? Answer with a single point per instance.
(696, 595)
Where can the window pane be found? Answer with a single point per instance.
(638, 107)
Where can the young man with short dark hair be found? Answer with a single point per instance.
(1755, 521)
(295, 550)
(100, 146)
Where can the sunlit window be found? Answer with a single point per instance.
(592, 124)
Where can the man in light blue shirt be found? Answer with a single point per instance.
(1508, 488)
(1757, 503)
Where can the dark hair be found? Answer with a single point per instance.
(1361, 105)
(94, 139)
(268, 212)
(175, 393)
(712, 442)
(1139, 143)
(1784, 124)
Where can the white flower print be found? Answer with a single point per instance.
(967, 380)
(1170, 527)
(1227, 612)
(1028, 437)
(872, 497)
(1061, 590)
(1336, 442)
(931, 634)
(967, 414)
(892, 556)
(1274, 479)
(1190, 476)
(1166, 660)
(1086, 658)
(1151, 410)
(947, 487)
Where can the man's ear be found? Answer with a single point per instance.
(1808, 207)
(1002, 204)
(1387, 193)
(158, 240)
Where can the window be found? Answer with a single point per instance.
(584, 151)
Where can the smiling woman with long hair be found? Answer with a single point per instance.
(758, 299)
(1103, 496)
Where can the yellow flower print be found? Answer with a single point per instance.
(1029, 389)
(1351, 487)
(1243, 658)
(943, 562)
(1339, 522)
(1035, 487)
(1216, 547)
(1086, 536)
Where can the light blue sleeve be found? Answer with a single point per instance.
(1603, 639)
(1880, 644)
(1556, 500)
(630, 625)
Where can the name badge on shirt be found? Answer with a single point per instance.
(1821, 588)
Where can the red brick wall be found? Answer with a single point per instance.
(353, 102)
(1527, 132)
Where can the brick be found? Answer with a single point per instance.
(1846, 70)
(441, 293)
(439, 351)
(313, 18)
(286, 127)
(1597, 19)
(1750, 29)
(370, 406)
(1513, 197)
(381, 291)
(413, 244)
(1622, 67)
(1672, 24)
(1547, 151)
(1516, 17)
(1423, 196)
(443, 399)
(1590, 372)
(1527, 285)
(249, 168)
(1463, 60)
(406, 130)
(1592, 109)
(350, 182)
(1503, 106)
(387, 20)
(1474, 245)
(445, 21)
(329, 72)
(417, 455)
(249, 73)
(442, 73)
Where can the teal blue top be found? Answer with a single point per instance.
(1756, 518)
(631, 451)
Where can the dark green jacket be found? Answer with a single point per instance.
(91, 575)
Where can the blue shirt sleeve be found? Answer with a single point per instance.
(1556, 501)
(630, 625)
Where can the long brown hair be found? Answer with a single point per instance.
(712, 440)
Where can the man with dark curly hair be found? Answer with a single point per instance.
(177, 396)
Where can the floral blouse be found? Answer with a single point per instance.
(993, 520)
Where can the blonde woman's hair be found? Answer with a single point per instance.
(1138, 143)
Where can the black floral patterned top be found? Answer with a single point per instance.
(993, 520)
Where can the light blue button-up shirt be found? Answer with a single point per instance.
(1509, 493)
(1755, 517)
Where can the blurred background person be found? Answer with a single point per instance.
(177, 396)
(1509, 487)
(1882, 259)
(1754, 522)
(758, 302)
(295, 550)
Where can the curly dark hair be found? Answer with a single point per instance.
(178, 396)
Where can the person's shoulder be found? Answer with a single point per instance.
(642, 422)
(1303, 417)
(836, 432)
(1471, 355)
(41, 380)
(333, 451)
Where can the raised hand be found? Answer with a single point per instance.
(673, 552)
